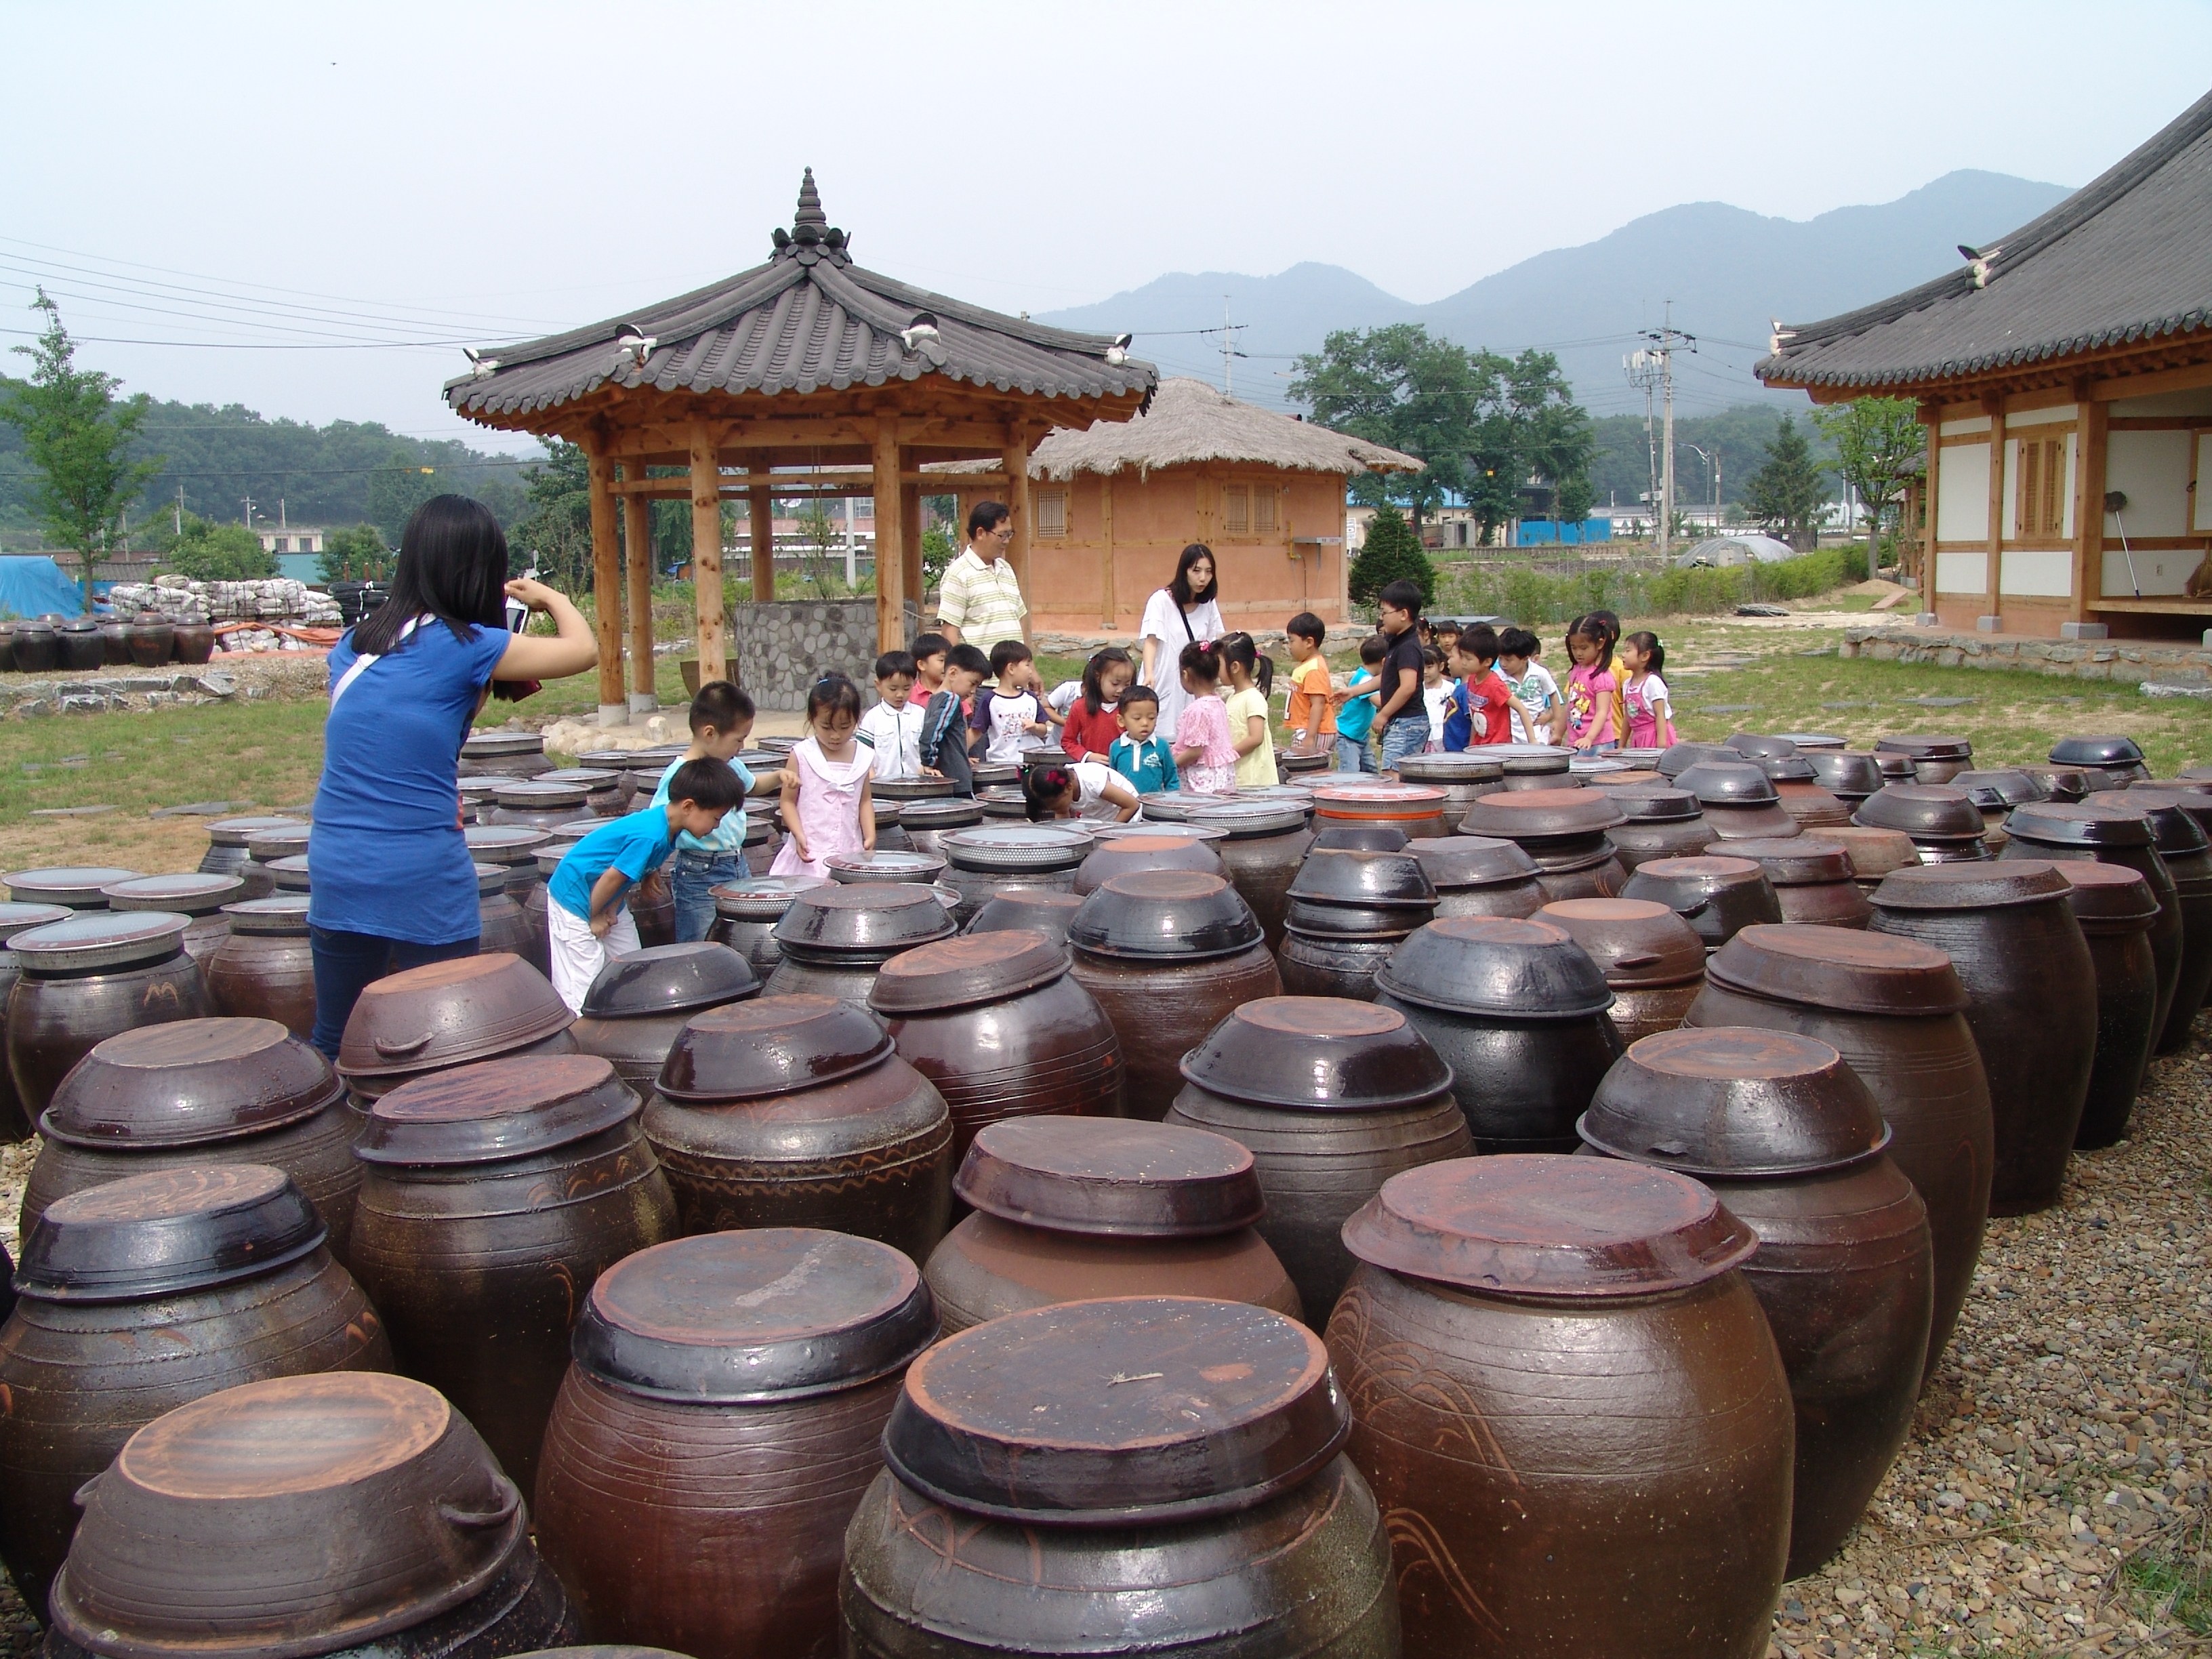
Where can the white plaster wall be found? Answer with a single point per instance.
(2041, 417)
(2152, 469)
(2073, 480)
(2198, 402)
(1959, 428)
(1962, 494)
(2203, 514)
(2044, 574)
(1962, 572)
(2158, 570)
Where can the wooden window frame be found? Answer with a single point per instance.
(1046, 529)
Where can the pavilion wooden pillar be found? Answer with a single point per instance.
(1931, 422)
(1994, 404)
(762, 511)
(1016, 460)
(1106, 613)
(891, 538)
(706, 552)
(637, 538)
(2092, 430)
(910, 525)
(606, 584)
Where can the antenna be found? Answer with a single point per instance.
(1229, 331)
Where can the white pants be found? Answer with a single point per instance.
(578, 957)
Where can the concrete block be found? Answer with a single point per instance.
(1989, 625)
(2084, 631)
(1927, 619)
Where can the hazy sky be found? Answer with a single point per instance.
(266, 174)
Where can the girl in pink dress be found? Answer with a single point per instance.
(1204, 754)
(1591, 689)
(827, 806)
(1650, 721)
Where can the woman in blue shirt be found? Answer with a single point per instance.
(394, 886)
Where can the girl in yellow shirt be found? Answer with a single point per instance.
(1251, 678)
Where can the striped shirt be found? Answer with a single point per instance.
(983, 601)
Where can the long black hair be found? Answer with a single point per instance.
(1653, 652)
(1243, 651)
(1043, 788)
(1094, 677)
(1181, 585)
(452, 565)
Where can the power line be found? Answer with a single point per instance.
(259, 345)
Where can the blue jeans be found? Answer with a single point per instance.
(1354, 754)
(692, 878)
(1409, 734)
(345, 964)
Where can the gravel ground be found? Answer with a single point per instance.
(2053, 1497)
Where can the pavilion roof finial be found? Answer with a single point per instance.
(810, 230)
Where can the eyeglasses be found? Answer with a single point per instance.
(1005, 532)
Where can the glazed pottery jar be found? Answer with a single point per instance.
(1168, 956)
(1157, 849)
(227, 856)
(1364, 838)
(1790, 1139)
(640, 1003)
(501, 925)
(925, 820)
(443, 1014)
(475, 795)
(194, 643)
(910, 789)
(1811, 875)
(603, 787)
(1625, 1493)
(1465, 777)
(1289, 761)
(1895, 768)
(1068, 1209)
(1030, 908)
(1678, 758)
(833, 940)
(1348, 911)
(717, 1427)
(747, 911)
(494, 1194)
(891, 830)
(2063, 783)
(1994, 793)
(1134, 1476)
(504, 754)
(997, 1023)
(38, 647)
(1799, 792)
(290, 875)
(796, 1112)
(199, 899)
(2011, 934)
(992, 857)
(1894, 1008)
(1657, 823)
(264, 848)
(86, 978)
(2178, 820)
(14, 1123)
(200, 1092)
(140, 1295)
(347, 1514)
(515, 848)
(152, 642)
(1262, 844)
(1653, 961)
(1849, 775)
(1718, 894)
(1564, 830)
(1873, 852)
(1738, 799)
(2115, 908)
(1944, 824)
(1331, 1098)
(1478, 876)
(1517, 1010)
(2105, 762)
(74, 887)
(1532, 765)
(1935, 759)
(264, 968)
(1416, 809)
(81, 650)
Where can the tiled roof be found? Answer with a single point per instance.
(2128, 257)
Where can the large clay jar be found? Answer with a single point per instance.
(140, 1295)
(1849, 775)
(2106, 761)
(2030, 1005)
(1518, 1011)
(1653, 962)
(1155, 846)
(2110, 830)
(1738, 799)
(1532, 765)
(535, 805)
(1894, 1009)
(721, 1419)
(504, 754)
(1944, 824)
(1811, 875)
(1137, 1476)
(1478, 876)
(348, 1515)
(290, 875)
(114, 643)
(501, 925)
(1994, 793)
(1790, 1139)
(1331, 1098)
(14, 1123)
(925, 821)
(747, 911)
(152, 641)
(38, 647)
(264, 968)
(1169, 956)
(796, 1112)
(1064, 1210)
(2176, 826)
(997, 1023)
(1718, 894)
(1564, 830)
(74, 887)
(1465, 777)
(1568, 1403)
(429, 1019)
(1349, 910)
(194, 643)
(1873, 852)
(1657, 823)
(1935, 759)
(1416, 810)
(515, 848)
(833, 940)
(2115, 908)
(1799, 793)
(87, 978)
(200, 1092)
(1262, 843)
(1030, 909)
(227, 855)
(639, 1004)
(992, 857)
(198, 899)
(264, 849)
(496, 1193)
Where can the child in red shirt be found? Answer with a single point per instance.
(1092, 723)
(1481, 709)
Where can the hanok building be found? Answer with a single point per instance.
(2065, 377)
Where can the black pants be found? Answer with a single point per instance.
(347, 962)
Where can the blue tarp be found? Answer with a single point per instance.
(32, 585)
(1542, 532)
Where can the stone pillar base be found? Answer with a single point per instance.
(1989, 625)
(2084, 631)
(614, 713)
(641, 703)
(1927, 619)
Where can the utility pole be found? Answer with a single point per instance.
(248, 520)
(1229, 353)
(1664, 340)
(1643, 370)
(180, 512)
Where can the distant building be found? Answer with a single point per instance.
(294, 538)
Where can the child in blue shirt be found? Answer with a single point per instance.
(1146, 761)
(1355, 712)
(721, 724)
(587, 919)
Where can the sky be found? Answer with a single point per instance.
(381, 183)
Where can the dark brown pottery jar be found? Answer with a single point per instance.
(603, 787)
(1944, 824)
(2178, 820)
(1849, 775)
(475, 797)
(201, 1092)
(500, 922)
(504, 754)
(1331, 1098)
(2106, 761)
(290, 875)
(885, 865)
(428, 1019)
(1894, 1009)
(347, 1515)
(1658, 823)
(152, 641)
(2110, 830)
(986, 860)
(74, 887)
(1263, 843)
(1790, 1140)
(85, 979)
(496, 1193)
(264, 848)
(227, 855)
(1500, 1300)
(1124, 1477)
(264, 968)
(1799, 792)
(14, 1123)
(1564, 830)
(1465, 777)
(515, 848)
(723, 1415)
(144, 1293)
(1994, 793)
(1738, 799)
(998, 1024)
(1158, 850)
(1066, 1210)
(199, 899)
(925, 821)
(1935, 760)
(2011, 934)
(1169, 956)
(1480, 876)
(640, 1003)
(763, 838)
(1719, 894)
(1349, 910)
(1873, 852)
(1533, 765)
(114, 642)
(747, 911)
(833, 940)
(537, 941)
(38, 647)
(2115, 909)
(795, 1112)
(1028, 909)
(194, 643)
(1518, 1011)
(1415, 808)
(81, 650)
(1811, 875)
(1653, 962)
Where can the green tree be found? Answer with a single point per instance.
(355, 554)
(1393, 549)
(1786, 495)
(77, 438)
(396, 488)
(211, 552)
(939, 549)
(1880, 447)
(554, 533)
(1398, 387)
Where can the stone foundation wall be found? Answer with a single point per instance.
(2154, 665)
(781, 648)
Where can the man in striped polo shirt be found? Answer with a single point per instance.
(979, 601)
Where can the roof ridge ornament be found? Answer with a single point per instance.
(812, 236)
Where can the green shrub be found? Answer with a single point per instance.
(1392, 552)
(1531, 598)
(219, 553)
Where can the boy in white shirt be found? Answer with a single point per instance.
(1540, 715)
(1016, 711)
(1437, 688)
(893, 728)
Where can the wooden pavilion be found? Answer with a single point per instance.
(2064, 375)
(807, 376)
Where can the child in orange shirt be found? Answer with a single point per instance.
(1312, 716)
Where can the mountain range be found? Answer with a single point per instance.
(1726, 272)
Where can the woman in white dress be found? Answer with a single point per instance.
(1186, 611)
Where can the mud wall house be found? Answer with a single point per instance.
(2064, 377)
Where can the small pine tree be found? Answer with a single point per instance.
(1392, 550)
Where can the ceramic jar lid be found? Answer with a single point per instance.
(1999, 790)
(1682, 757)
(1528, 759)
(445, 1012)
(1503, 967)
(1119, 1412)
(1648, 804)
(1895, 768)
(192, 895)
(935, 814)
(1758, 745)
(169, 1230)
(1037, 910)
(1787, 768)
(1982, 886)
(1634, 942)
(1716, 895)
(1456, 863)
(548, 860)
(888, 813)
(1465, 766)
(1852, 774)
(1317, 1054)
(2109, 898)
(1731, 1101)
(670, 979)
(893, 867)
(587, 778)
(2099, 750)
(1172, 806)
(74, 887)
(760, 1313)
(496, 1110)
(1737, 782)
(862, 920)
(1873, 852)
(534, 795)
(20, 918)
(1015, 847)
(2080, 823)
(188, 1082)
(1367, 881)
(290, 875)
(762, 898)
(1921, 746)
(1160, 849)
(1248, 820)
(1388, 802)
(482, 746)
(1164, 915)
(2176, 817)
(1542, 814)
(1812, 740)
(908, 789)
(233, 832)
(90, 940)
(477, 789)
(965, 971)
(561, 837)
(503, 843)
(263, 845)
(1103, 834)
(1925, 811)
(1839, 967)
(283, 915)
(1362, 838)
(1110, 1178)
(491, 878)
(1809, 860)
(771, 1046)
